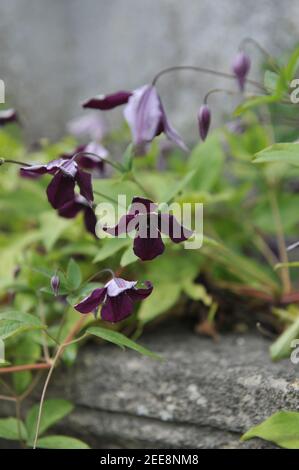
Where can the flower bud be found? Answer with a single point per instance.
(55, 283)
(204, 121)
(241, 66)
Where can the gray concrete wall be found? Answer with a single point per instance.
(55, 53)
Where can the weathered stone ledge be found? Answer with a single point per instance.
(204, 395)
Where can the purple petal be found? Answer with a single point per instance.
(91, 125)
(90, 220)
(60, 190)
(123, 226)
(7, 116)
(118, 285)
(169, 225)
(148, 248)
(48, 168)
(83, 180)
(141, 205)
(106, 102)
(142, 293)
(143, 114)
(70, 209)
(92, 301)
(170, 132)
(117, 308)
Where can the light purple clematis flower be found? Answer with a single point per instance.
(79, 204)
(7, 116)
(117, 298)
(144, 113)
(148, 223)
(62, 187)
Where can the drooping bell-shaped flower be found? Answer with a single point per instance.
(62, 187)
(117, 298)
(241, 66)
(148, 223)
(79, 204)
(144, 113)
(204, 121)
(7, 116)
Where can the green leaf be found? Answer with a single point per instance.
(110, 246)
(164, 296)
(9, 429)
(282, 152)
(20, 317)
(53, 411)
(281, 348)
(282, 428)
(52, 227)
(291, 264)
(74, 277)
(271, 80)
(128, 257)
(197, 292)
(61, 442)
(120, 340)
(256, 101)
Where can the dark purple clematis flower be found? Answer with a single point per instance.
(106, 102)
(144, 113)
(7, 116)
(117, 299)
(90, 162)
(241, 66)
(72, 208)
(204, 121)
(144, 218)
(62, 187)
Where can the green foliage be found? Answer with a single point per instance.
(281, 428)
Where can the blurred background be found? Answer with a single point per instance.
(55, 54)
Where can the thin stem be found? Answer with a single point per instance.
(22, 368)
(44, 335)
(268, 56)
(59, 352)
(283, 255)
(7, 398)
(56, 357)
(141, 187)
(217, 90)
(115, 165)
(107, 197)
(204, 70)
(16, 162)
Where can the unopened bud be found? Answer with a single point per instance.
(204, 121)
(241, 66)
(55, 283)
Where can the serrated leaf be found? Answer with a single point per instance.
(282, 428)
(61, 442)
(9, 429)
(53, 411)
(120, 340)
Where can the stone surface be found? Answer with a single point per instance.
(54, 54)
(204, 394)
